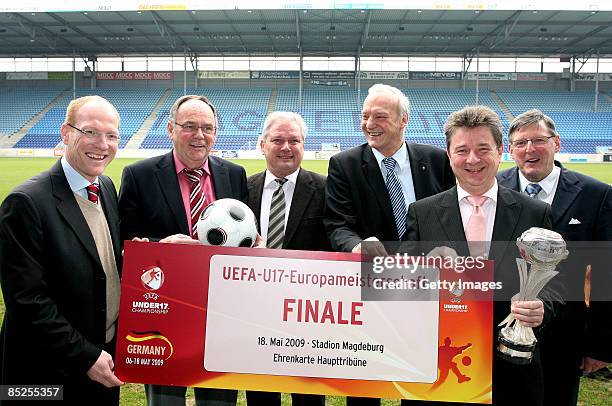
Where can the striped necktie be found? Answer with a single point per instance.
(196, 197)
(533, 189)
(396, 196)
(276, 223)
(93, 193)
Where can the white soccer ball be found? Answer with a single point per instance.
(227, 222)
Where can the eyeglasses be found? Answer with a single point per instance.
(536, 142)
(192, 128)
(95, 135)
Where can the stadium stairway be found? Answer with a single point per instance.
(502, 106)
(272, 102)
(141, 134)
(10, 141)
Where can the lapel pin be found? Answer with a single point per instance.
(423, 168)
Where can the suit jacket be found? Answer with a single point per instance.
(358, 204)
(304, 230)
(438, 218)
(150, 202)
(53, 282)
(580, 197)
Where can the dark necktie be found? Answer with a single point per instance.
(276, 222)
(396, 196)
(93, 192)
(196, 197)
(533, 189)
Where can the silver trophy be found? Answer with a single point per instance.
(543, 250)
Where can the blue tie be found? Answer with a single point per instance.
(396, 196)
(533, 189)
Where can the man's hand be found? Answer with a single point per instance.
(528, 313)
(180, 239)
(136, 239)
(102, 371)
(259, 242)
(372, 247)
(589, 364)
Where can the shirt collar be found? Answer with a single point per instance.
(179, 165)
(76, 181)
(491, 193)
(400, 156)
(547, 184)
(269, 180)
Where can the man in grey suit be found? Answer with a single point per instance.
(288, 202)
(479, 210)
(581, 211)
(156, 196)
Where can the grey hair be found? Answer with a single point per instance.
(473, 117)
(179, 102)
(533, 116)
(402, 100)
(287, 116)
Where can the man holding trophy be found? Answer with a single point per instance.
(478, 217)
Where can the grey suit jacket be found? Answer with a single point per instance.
(304, 230)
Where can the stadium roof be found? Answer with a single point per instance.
(326, 32)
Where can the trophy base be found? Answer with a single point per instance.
(518, 354)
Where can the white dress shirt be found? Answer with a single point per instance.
(402, 170)
(548, 185)
(270, 185)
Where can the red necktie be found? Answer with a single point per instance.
(93, 192)
(196, 197)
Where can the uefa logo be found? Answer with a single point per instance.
(152, 278)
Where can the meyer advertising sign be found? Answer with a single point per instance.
(435, 75)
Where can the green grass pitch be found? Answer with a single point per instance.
(13, 171)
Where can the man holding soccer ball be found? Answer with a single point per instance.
(161, 198)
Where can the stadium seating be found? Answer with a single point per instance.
(333, 115)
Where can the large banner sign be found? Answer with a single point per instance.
(280, 320)
(275, 74)
(216, 74)
(329, 75)
(134, 75)
(435, 76)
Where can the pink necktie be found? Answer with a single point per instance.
(476, 230)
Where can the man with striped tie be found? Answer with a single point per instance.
(60, 259)
(288, 202)
(162, 197)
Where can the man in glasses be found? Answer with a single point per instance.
(578, 340)
(59, 261)
(162, 198)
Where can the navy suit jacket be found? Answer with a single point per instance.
(304, 230)
(150, 202)
(357, 202)
(53, 282)
(581, 211)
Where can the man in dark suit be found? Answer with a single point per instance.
(474, 141)
(292, 220)
(578, 339)
(358, 204)
(160, 196)
(59, 265)
(369, 187)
